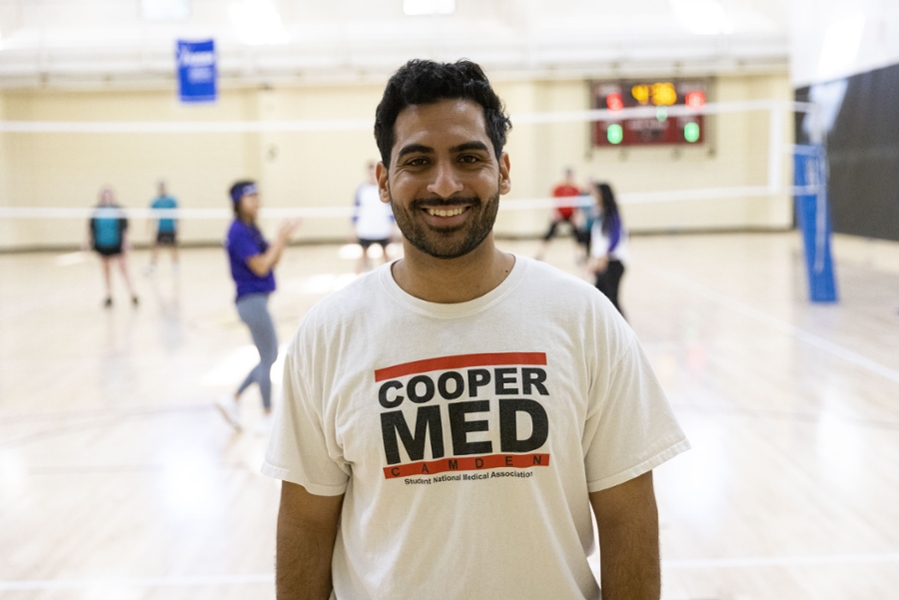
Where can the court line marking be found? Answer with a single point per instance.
(99, 421)
(269, 578)
(63, 584)
(798, 333)
(808, 417)
(780, 561)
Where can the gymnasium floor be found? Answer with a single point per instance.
(118, 479)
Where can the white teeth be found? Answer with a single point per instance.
(439, 212)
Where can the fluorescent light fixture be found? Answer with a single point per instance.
(429, 7)
(258, 22)
(164, 10)
(702, 17)
(842, 42)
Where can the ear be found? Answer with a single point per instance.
(505, 184)
(383, 184)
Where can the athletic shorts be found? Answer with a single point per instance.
(166, 238)
(366, 243)
(108, 250)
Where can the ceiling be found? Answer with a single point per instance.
(90, 43)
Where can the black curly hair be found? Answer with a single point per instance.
(426, 82)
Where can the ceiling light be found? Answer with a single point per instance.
(163, 10)
(429, 7)
(702, 17)
(842, 42)
(258, 22)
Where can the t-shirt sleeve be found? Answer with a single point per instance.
(241, 244)
(632, 429)
(298, 448)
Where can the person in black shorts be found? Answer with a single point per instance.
(372, 219)
(108, 237)
(166, 227)
(368, 243)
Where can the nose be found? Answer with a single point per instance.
(446, 181)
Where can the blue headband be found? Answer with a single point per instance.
(240, 192)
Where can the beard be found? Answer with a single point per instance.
(447, 242)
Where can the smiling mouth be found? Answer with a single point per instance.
(445, 212)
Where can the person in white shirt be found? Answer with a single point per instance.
(450, 419)
(372, 219)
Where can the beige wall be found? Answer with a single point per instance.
(735, 154)
(323, 168)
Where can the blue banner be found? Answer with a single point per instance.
(197, 73)
(810, 176)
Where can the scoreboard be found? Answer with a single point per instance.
(660, 129)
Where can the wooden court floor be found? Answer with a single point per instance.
(119, 480)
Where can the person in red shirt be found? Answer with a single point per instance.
(564, 210)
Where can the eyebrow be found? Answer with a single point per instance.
(470, 146)
(413, 148)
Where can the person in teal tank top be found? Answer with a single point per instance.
(166, 227)
(108, 236)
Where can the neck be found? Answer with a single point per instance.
(449, 281)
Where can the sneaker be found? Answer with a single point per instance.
(108, 302)
(134, 300)
(229, 409)
(264, 424)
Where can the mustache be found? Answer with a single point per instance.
(435, 202)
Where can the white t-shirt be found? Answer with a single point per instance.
(373, 218)
(466, 437)
(600, 242)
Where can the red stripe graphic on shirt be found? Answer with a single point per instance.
(469, 463)
(461, 361)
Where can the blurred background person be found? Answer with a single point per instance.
(107, 235)
(252, 261)
(372, 219)
(166, 229)
(564, 211)
(608, 245)
(589, 215)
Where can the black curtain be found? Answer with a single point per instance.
(863, 155)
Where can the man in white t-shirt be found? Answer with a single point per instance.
(450, 419)
(372, 219)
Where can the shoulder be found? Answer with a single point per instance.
(343, 315)
(237, 229)
(555, 284)
(560, 299)
(350, 302)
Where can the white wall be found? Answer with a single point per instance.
(832, 39)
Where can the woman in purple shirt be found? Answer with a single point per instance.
(252, 262)
(608, 245)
